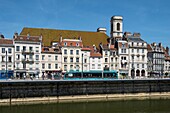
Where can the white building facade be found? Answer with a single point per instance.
(137, 56)
(27, 55)
(6, 58)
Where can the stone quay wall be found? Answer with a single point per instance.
(60, 88)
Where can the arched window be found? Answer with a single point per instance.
(118, 26)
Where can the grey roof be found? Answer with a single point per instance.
(135, 39)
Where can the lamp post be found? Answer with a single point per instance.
(6, 65)
(82, 67)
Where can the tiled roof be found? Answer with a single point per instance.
(6, 41)
(94, 54)
(71, 43)
(50, 50)
(28, 38)
(86, 49)
(167, 58)
(49, 35)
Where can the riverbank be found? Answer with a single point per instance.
(79, 98)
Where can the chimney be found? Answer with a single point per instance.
(126, 34)
(160, 44)
(153, 44)
(15, 35)
(61, 39)
(28, 36)
(79, 38)
(101, 29)
(167, 50)
(40, 38)
(136, 35)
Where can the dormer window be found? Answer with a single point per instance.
(65, 43)
(77, 44)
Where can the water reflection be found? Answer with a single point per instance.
(121, 106)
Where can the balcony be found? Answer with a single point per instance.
(27, 52)
(28, 61)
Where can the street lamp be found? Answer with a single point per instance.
(6, 65)
(82, 67)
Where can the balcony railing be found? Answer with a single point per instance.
(27, 61)
(27, 52)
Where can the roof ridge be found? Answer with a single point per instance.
(63, 30)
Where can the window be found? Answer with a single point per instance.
(56, 57)
(132, 50)
(17, 48)
(132, 57)
(49, 66)
(3, 58)
(71, 52)
(65, 51)
(121, 50)
(30, 56)
(17, 56)
(111, 59)
(65, 67)
(37, 49)
(106, 52)
(71, 59)
(132, 43)
(3, 50)
(65, 44)
(77, 44)
(137, 50)
(124, 50)
(123, 45)
(71, 67)
(24, 48)
(137, 65)
(85, 60)
(9, 50)
(106, 59)
(56, 66)
(37, 57)
(137, 44)
(99, 66)
(77, 52)
(143, 57)
(118, 26)
(9, 59)
(43, 57)
(93, 66)
(142, 65)
(17, 65)
(65, 59)
(142, 50)
(43, 66)
(49, 57)
(30, 49)
(77, 59)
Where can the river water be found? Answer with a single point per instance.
(104, 106)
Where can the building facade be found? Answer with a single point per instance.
(123, 54)
(137, 56)
(157, 58)
(6, 58)
(71, 54)
(27, 55)
(50, 62)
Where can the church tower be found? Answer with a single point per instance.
(116, 32)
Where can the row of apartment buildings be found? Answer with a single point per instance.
(39, 52)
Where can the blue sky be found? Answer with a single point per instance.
(149, 17)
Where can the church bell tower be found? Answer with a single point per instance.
(116, 32)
